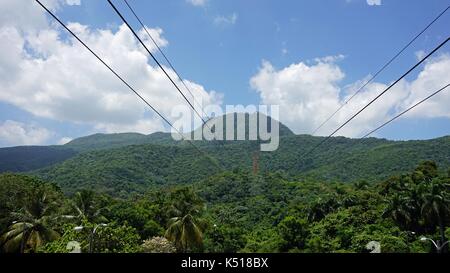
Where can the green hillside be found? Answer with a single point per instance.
(29, 158)
(25, 158)
(119, 164)
(108, 141)
(137, 168)
(238, 211)
(133, 168)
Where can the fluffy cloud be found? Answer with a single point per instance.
(52, 76)
(226, 20)
(25, 16)
(434, 76)
(310, 93)
(374, 2)
(197, 3)
(14, 133)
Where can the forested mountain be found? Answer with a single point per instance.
(119, 164)
(231, 197)
(28, 158)
(25, 158)
(136, 168)
(231, 211)
(109, 141)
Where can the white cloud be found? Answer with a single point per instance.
(197, 3)
(330, 59)
(14, 133)
(420, 54)
(73, 2)
(56, 78)
(226, 20)
(374, 2)
(64, 140)
(310, 93)
(24, 15)
(434, 76)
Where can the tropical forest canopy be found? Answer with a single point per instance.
(138, 193)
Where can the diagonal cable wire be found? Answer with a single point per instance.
(157, 62)
(378, 96)
(405, 111)
(165, 57)
(125, 82)
(379, 71)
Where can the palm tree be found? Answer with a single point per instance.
(184, 229)
(84, 203)
(436, 206)
(33, 226)
(185, 232)
(400, 210)
(319, 209)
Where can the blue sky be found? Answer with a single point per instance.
(223, 45)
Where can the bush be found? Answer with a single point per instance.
(158, 245)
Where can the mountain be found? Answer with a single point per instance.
(109, 141)
(246, 117)
(25, 158)
(29, 158)
(130, 162)
(137, 168)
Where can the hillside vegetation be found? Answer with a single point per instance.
(137, 168)
(231, 211)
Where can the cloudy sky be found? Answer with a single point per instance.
(305, 56)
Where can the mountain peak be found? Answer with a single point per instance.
(247, 118)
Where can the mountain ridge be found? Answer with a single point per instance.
(135, 168)
(133, 162)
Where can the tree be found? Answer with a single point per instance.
(224, 238)
(184, 229)
(87, 207)
(143, 215)
(294, 232)
(399, 209)
(321, 208)
(436, 206)
(429, 169)
(33, 225)
(13, 191)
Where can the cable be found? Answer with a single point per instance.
(379, 71)
(379, 95)
(404, 112)
(122, 80)
(165, 57)
(157, 62)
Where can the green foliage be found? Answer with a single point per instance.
(224, 239)
(185, 230)
(88, 207)
(232, 211)
(262, 240)
(112, 238)
(26, 158)
(32, 214)
(141, 215)
(294, 232)
(121, 164)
